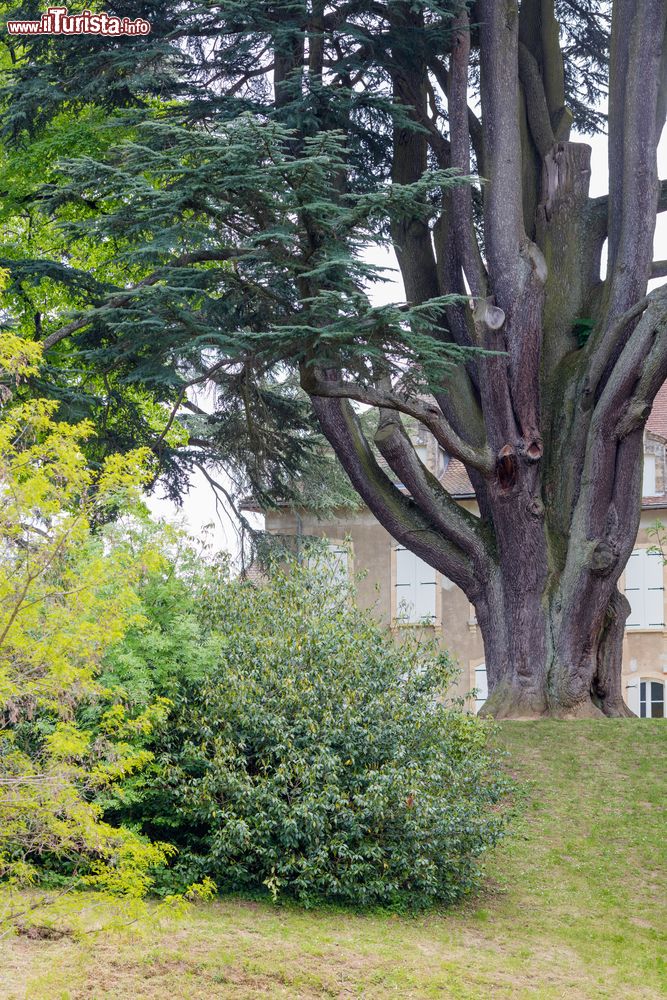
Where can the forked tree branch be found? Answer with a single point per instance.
(433, 500)
(635, 379)
(429, 414)
(397, 512)
(607, 504)
(604, 345)
(539, 33)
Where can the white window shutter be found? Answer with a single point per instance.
(645, 589)
(648, 482)
(338, 558)
(426, 590)
(404, 567)
(334, 564)
(633, 571)
(634, 590)
(481, 686)
(655, 590)
(405, 585)
(632, 695)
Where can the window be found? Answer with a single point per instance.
(648, 484)
(333, 562)
(644, 588)
(651, 700)
(415, 589)
(441, 461)
(338, 560)
(481, 686)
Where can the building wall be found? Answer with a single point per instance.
(371, 550)
(373, 556)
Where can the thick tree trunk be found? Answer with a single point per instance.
(607, 690)
(538, 665)
(551, 615)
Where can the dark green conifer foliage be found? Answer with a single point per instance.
(200, 204)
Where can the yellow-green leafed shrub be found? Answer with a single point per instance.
(66, 597)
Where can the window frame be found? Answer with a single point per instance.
(345, 545)
(648, 702)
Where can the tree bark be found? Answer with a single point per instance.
(574, 673)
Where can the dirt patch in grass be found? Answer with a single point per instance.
(38, 932)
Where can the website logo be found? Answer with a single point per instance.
(58, 21)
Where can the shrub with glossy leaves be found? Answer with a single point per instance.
(316, 758)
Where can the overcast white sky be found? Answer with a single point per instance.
(199, 506)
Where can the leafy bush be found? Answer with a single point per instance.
(308, 753)
(67, 596)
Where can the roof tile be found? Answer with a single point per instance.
(455, 479)
(657, 421)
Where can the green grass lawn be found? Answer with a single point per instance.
(575, 907)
